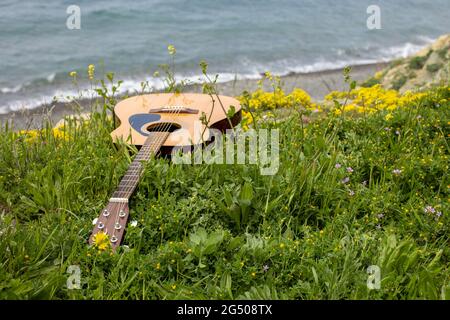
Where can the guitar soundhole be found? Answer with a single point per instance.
(163, 127)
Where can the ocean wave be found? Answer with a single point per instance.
(280, 67)
(51, 77)
(402, 51)
(30, 84)
(330, 65)
(11, 90)
(128, 86)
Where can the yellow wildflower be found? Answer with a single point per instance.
(91, 70)
(171, 49)
(378, 75)
(300, 97)
(59, 133)
(268, 75)
(101, 241)
(30, 136)
(375, 98)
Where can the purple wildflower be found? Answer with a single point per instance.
(345, 180)
(397, 172)
(338, 165)
(380, 216)
(265, 268)
(397, 132)
(438, 214)
(351, 193)
(349, 169)
(364, 183)
(429, 209)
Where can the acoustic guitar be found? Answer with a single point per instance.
(158, 123)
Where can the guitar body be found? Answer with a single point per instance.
(141, 115)
(158, 123)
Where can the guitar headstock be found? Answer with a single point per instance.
(110, 225)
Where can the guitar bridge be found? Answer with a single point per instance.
(120, 200)
(174, 109)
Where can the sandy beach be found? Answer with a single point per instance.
(317, 84)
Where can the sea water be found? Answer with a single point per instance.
(238, 38)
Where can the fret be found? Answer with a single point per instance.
(128, 186)
(131, 176)
(119, 194)
(130, 180)
(135, 164)
(115, 215)
(134, 169)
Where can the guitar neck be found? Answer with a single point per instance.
(131, 178)
(113, 218)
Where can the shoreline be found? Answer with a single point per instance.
(317, 84)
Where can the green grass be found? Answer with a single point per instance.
(370, 82)
(299, 234)
(418, 62)
(432, 68)
(399, 81)
(442, 53)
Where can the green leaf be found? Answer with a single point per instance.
(246, 195)
(225, 284)
(228, 198)
(231, 111)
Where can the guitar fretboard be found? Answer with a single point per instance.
(131, 178)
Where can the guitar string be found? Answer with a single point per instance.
(159, 140)
(116, 221)
(129, 187)
(131, 184)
